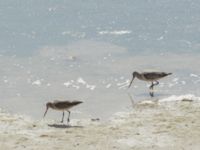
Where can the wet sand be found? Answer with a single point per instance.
(149, 125)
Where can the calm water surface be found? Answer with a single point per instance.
(87, 50)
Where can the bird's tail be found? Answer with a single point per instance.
(169, 73)
(76, 102)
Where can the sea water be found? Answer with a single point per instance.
(87, 50)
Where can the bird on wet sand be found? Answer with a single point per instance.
(149, 76)
(62, 106)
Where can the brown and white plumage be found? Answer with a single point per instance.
(149, 76)
(62, 106)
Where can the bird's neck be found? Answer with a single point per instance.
(138, 75)
(51, 105)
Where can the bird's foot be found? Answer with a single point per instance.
(151, 94)
(151, 87)
(68, 121)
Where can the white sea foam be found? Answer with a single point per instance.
(80, 80)
(170, 85)
(160, 38)
(48, 84)
(5, 81)
(123, 85)
(76, 86)
(108, 85)
(91, 87)
(194, 75)
(67, 84)
(74, 34)
(115, 32)
(175, 79)
(36, 82)
(180, 98)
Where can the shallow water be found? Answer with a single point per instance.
(100, 81)
(87, 51)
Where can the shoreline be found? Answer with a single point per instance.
(150, 125)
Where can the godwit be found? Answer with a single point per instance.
(62, 106)
(149, 76)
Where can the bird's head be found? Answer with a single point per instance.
(134, 74)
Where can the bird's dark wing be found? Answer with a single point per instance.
(154, 75)
(66, 104)
(62, 104)
(76, 102)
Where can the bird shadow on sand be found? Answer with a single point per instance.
(63, 126)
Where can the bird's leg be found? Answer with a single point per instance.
(156, 83)
(151, 94)
(68, 119)
(63, 117)
(153, 84)
(151, 89)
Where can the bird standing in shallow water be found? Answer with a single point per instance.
(62, 106)
(151, 77)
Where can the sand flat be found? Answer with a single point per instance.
(161, 125)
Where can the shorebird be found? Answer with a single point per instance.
(62, 106)
(149, 76)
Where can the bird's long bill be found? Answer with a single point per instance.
(131, 82)
(45, 112)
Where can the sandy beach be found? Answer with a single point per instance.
(149, 125)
